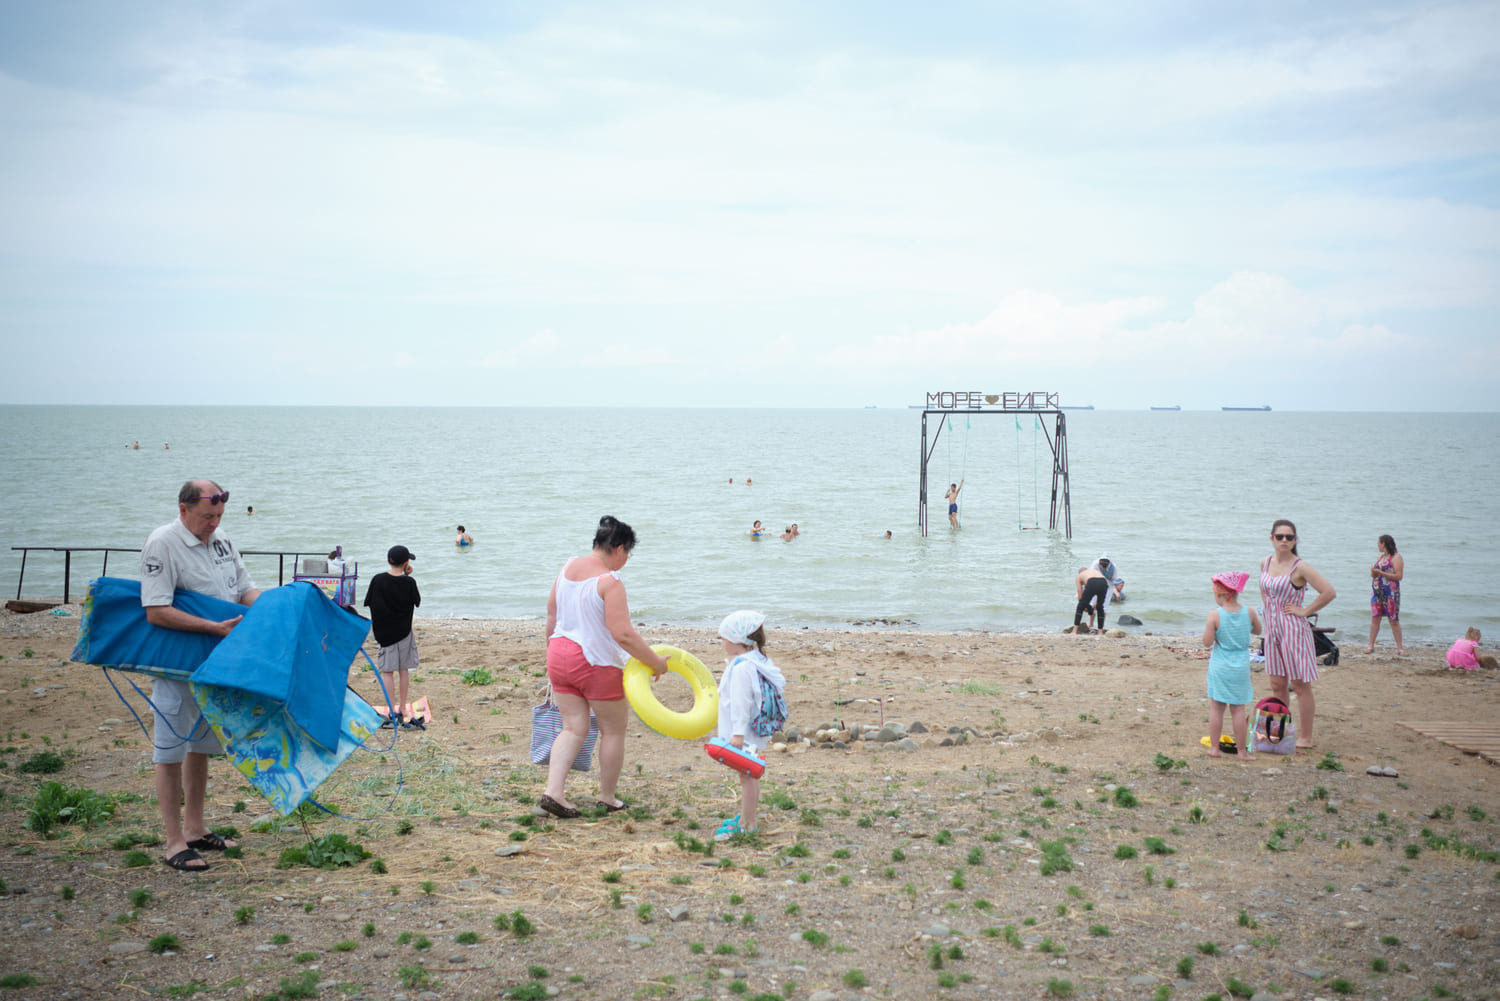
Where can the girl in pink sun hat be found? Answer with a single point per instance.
(1227, 634)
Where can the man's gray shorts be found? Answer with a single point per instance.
(400, 656)
(176, 716)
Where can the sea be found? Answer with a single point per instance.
(1171, 496)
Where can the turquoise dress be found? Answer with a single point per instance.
(1229, 663)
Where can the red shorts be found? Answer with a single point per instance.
(571, 673)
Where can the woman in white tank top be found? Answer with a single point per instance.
(589, 638)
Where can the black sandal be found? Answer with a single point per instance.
(210, 842)
(555, 808)
(181, 859)
(613, 809)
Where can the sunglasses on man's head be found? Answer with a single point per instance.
(1279, 537)
(222, 498)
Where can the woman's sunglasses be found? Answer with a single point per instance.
(1278, 537)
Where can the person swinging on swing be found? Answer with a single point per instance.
(952, 498)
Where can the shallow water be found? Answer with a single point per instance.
(1172, 497)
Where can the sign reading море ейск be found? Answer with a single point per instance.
(974, 400)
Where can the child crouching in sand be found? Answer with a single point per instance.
(743, 635)
(1227, 632)
(1464, 653)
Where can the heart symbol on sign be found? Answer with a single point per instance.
(991, 399)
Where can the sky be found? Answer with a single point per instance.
(1294, 204)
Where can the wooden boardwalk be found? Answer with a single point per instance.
(1475, 738)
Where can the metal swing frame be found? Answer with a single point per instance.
(1057, 441)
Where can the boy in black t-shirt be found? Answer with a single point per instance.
(392, 598)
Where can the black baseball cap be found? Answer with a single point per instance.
(398, 555)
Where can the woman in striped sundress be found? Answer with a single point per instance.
(1289, 640)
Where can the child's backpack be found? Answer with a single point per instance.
(772, 714)
(1274, 732)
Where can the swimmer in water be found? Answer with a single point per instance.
(887, 533)
(757, 529)
(786, 534)
(464, 538)
(952, 498)
(249, 509)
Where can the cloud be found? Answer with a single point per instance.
(542, 347)
(801, 193)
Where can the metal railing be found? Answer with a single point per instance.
(68, 552)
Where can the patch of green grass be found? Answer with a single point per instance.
(368, 931)
(140, 898)
(814, 938)
(1126, 852)
(1124, 797)
(1059, 988)
(1238, 987)
(163, 943)
(15, 981)
(304, 957)
(414, 977)
(1157, 846)
(1055, 858)
(55, 804)
(477, 676)
(282, 938)
(855, 979)
(1099, 931)
(943, 837)
(1185, 967)
(331, 851)
(136, 859)
(1330, 763)
(42, 763)
(1208, 948)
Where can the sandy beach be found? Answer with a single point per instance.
(1072, 839)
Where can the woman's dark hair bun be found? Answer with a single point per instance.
(614, 533)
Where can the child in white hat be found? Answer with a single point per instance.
(743, 635)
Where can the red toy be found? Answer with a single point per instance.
(738, 758)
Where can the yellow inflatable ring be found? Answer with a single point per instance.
(691, 725)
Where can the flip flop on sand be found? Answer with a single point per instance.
(183, 860)
(210, 842)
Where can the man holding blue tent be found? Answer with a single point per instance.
(189, 553)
